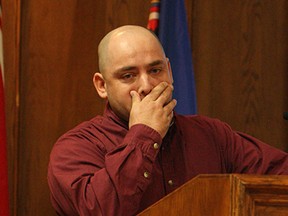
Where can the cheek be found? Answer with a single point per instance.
(168, 77)
(163, 78)
(119, 94)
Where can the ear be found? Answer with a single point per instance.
(170, 71)
(100, 85)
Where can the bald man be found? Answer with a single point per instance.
(140, 150)
(132, 62)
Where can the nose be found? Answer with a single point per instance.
(145, 85)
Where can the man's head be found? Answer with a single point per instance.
(130, 58)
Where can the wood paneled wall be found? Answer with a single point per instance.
(240, 51)
(240, 57)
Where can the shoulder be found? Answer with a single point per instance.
(201, 121)
(86, 135)
(87, 129)
(205, 128)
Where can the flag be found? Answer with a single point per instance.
(4, 196)
(168, 20)
(153, 21)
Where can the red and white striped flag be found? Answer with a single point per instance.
(4, 195)
(153, 21)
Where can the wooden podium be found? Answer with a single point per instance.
(226, 195)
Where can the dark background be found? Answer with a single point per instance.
(50, 51)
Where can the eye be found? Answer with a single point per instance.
(155, 70)
(127, 76)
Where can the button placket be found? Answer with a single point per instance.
(170, 182)
(146, 174)
(156, 146)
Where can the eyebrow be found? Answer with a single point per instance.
(157, 62)
(128, 68)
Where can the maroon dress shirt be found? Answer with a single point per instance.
(102, 168)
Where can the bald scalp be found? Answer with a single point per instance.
(120, 34)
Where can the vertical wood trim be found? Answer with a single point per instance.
(17, 108)
(11, 39)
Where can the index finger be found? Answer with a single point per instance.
(157, 91)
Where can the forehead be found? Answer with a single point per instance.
(143, 36)
(128, 46)
(132, 45)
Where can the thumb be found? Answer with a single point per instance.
(135, 97)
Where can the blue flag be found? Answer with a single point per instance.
(173, 34)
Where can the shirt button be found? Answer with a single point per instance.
(170, 182)
(146, 174)
(156, 146)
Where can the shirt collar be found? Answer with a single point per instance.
(108, 113)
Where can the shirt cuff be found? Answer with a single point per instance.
(145, 138)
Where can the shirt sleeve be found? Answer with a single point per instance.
(85, 180)
(246, 154)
